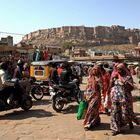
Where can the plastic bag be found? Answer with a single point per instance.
(81, 109)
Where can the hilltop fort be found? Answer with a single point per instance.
(81, 35)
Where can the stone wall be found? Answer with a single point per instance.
(101, 34)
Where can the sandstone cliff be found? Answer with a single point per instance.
(81, 35)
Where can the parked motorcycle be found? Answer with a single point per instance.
(14, 96)
(60, 95)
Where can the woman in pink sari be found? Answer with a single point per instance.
(93, 96)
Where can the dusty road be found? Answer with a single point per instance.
(43, 123)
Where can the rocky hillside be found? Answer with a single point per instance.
(81, 35)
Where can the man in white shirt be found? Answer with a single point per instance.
(2, 79)
(3, 68)
(4, 84)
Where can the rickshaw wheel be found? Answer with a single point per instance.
(37, 93)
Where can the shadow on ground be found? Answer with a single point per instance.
(102, 126)
(20, 114)
(136, 98)
(125, 130)
(41, 102)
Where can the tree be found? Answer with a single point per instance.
(66, 45)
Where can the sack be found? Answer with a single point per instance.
(81, 109)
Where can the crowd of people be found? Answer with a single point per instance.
(15, 67)
(110, 93)
(108, 90)
(12, 69)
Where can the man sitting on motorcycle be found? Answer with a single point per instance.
(66, 77)
(54, 74)
(5, 84)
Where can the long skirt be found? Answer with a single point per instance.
(116, 116)
(92, 115)
(122, 114)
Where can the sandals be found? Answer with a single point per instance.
(87, 127)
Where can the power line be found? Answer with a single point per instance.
(12, 33)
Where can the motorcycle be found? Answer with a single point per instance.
(14, 96)
(37, 89)
(61, 95)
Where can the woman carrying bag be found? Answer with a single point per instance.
(93, 93)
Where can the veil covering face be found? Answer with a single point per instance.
(121, 66)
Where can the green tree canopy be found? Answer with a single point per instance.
(67, 45)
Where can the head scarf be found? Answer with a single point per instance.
(98, 70)
(115, 71)
(122, 66)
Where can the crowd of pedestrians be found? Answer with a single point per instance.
(110, 93)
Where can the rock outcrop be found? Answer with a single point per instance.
(81, 35)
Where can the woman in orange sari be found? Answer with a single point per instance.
(93, 97)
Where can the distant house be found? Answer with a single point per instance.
(93, 53)
(79, 53)
(7, 41)
(6, 46)
(6, 50)
(137, 51)
(53, 50)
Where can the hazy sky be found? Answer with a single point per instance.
(25, 16)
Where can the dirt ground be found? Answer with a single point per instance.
(41, 122)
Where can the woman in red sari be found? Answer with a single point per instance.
(93, 96)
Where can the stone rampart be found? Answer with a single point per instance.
(101, 34)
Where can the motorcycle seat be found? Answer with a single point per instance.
(65, 86)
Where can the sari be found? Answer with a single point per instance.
(95, 86)
(121, 99)
(106, 80)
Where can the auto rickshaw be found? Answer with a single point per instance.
(41, 69)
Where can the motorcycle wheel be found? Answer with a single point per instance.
(56, 104)
(37, 93)
(79, 96)
(27, 104)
